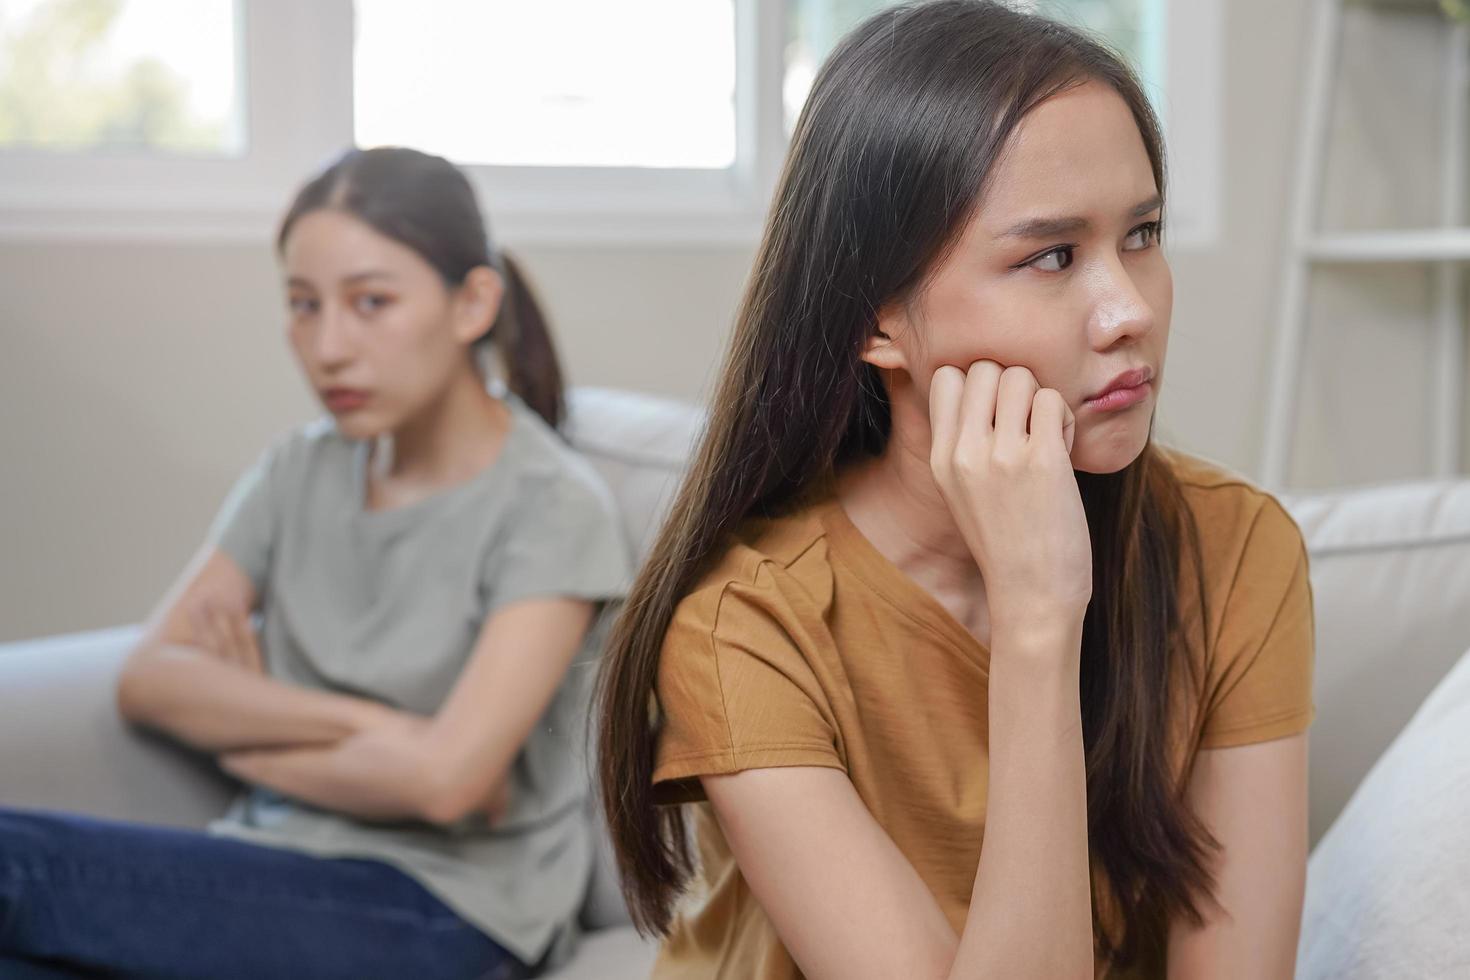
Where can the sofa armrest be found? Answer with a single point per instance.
(63, 746)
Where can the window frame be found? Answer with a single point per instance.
(298, 63)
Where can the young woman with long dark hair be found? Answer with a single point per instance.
(428, 564)
(963, 674)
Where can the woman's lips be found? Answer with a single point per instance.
(1119, 398)
(339, 400)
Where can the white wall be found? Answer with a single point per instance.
(137, 380)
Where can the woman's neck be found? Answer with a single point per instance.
(896, 504)
(451, 439)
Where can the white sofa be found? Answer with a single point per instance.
(1390, 574)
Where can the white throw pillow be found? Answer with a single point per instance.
(1388, 887)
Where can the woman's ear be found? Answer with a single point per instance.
(882, 349)
(477, 303)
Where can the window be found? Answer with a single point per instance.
(90, 74)
(578, 120)
(648, 84)
(1134, 27)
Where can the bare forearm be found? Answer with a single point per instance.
(1031, 908)
(218, 707)
(383, 787)
(385, 774)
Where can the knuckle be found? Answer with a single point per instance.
(1008, 460)
(968, 462)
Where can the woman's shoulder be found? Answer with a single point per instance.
(552, 471)
(1252, 559)
(1258, 643)
(1229, 509)
(774, 568)
(556, 519)
(305, 448)
(741, 660)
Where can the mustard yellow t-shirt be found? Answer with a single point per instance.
(804, 646)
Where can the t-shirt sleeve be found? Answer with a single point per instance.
(245, 527)
(565, 541)
(1260, 676)
(737, 691)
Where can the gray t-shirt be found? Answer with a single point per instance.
(388, 604)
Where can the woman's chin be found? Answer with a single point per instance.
(1100, 453)
(358, 425)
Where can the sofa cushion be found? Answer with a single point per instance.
(1390, 570)
(641, 445)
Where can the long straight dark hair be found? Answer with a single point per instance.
(888, 162)
(426, 203)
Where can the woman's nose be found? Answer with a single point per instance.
(331, 343)
(1120, 311)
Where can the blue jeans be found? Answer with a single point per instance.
(82, 897)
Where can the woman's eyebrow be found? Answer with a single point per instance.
(356, 277)
(365, 275)
(1152, 204)
(1053, 227)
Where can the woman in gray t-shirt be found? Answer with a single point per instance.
(429, 565)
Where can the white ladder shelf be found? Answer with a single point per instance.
(1446, 247)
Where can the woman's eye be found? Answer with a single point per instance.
(1054, 261)
(1144, 235)
(301, 305)
(370, 303)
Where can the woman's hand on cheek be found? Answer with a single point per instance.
(1000, 455)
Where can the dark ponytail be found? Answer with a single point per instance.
(526, 350)
(426, 203)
